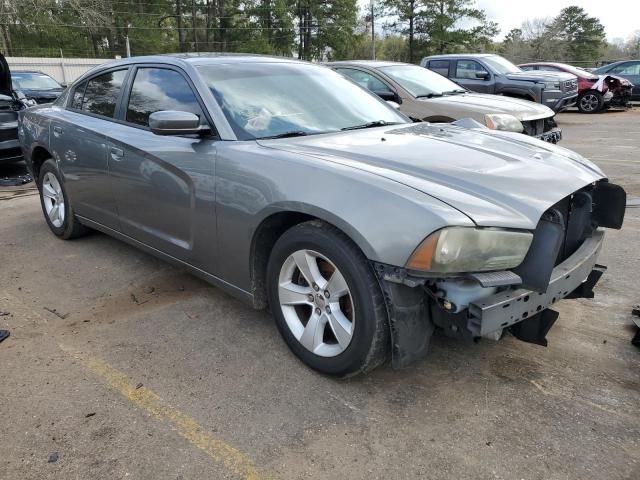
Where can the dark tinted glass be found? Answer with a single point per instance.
(440, 66)
(78, 93)
(102, 92)
(156, 89)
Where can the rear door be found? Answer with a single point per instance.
(164, 185)
(79, 144)
(465, 74)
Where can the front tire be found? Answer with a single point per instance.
(326, 300)
(55, 203)
(590, 102)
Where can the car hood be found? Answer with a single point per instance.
(481, 103)
(540, 76)
(497, 179)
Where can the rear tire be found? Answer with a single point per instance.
(338, 330)
(590, 102)
(56, 208)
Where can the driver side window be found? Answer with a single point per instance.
(365, 80)
(156, 89)
(467, 69)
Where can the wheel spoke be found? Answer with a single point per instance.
(342, 328)
(48, 191)
(292, 294)
(337, 285)
(54, 215)
(313, 332)
(308, 266)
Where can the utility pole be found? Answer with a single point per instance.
(127, 46)
(193, 24)
(373, 34)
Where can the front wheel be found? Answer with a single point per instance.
(327, 301)
(55, 203)
(590, 102)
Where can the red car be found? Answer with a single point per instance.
(595, 92)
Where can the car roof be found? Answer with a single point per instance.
(462, 55)
(368, 63)
(202, 58)
(619, 62)
(30, 71)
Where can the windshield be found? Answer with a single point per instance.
(501, 65)
(270, 99)
(421, 82)
(33, 81)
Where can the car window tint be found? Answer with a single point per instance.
(527, 68)
(468, 68)
(102, 92)
(365, 80)
(156, 89)
(440, 66)
(78, 93)
(627, 69)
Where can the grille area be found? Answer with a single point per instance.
(534, 127)
(8, 134)
(570, 85)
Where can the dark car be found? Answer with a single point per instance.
(595, 92)
(488, 73)
(37, 86)
(629, 69)
(10, 103)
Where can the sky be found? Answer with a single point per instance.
(621, 18)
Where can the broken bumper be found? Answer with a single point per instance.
(512, 306)
(552, 136)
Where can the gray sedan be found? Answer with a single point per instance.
(287, 185)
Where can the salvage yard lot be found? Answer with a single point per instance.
(121, 366)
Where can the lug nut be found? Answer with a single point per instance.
(310, 297)
(326, 293)
(316, 287)
(327, 309)
(318, 311)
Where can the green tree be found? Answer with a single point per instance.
(582, 37)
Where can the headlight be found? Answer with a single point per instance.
(461, 249)
(502, 121)
(552, 85)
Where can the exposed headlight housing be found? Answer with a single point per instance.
(463, 249)
(503, 121)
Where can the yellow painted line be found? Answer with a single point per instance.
(222, 453)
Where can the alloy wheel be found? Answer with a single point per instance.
(316, 303)
(589, 102)
(53, 197)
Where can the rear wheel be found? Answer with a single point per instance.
(590, 102)
(327, 301)
(55, 203)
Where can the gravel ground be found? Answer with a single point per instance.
(121, 366)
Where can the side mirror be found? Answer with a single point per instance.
(389, 96)
(173, 122)
(483, 75)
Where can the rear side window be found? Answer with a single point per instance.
(101, 94)
(440, 66)
(156, 89)
(627, 69)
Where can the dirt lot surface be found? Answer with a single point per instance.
(121, 366)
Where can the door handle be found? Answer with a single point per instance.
(57, 131)
(117, 153)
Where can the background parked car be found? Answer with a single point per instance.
(425, 95)
(486, 73)
(595, 92)
(629, 69)
(36, 86)
(10, 104)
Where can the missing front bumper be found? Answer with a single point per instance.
(552, 136)
(512, 306)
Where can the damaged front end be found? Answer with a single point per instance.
(561, 262)
(620, 89)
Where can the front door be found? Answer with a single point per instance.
(164, 185)
(79, 145)
(465, 73)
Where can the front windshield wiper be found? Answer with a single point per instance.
(454, 92)
(376, 123)
(292, 133)
(429, 95)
